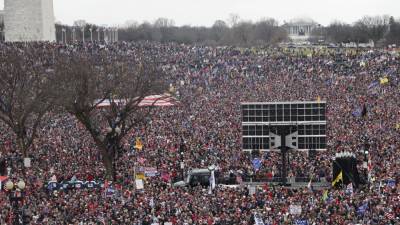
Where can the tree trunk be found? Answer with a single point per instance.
(108, 164)
(21, 146)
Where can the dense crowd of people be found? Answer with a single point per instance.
(210, 83)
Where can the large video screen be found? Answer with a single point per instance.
(261, 118)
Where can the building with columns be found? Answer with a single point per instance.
(29, 20)
(1, 16)
(300, 29)
(1, 25)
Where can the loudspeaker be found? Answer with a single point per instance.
(3, 167)
(347, 164)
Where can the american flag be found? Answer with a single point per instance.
(390, 216)
(158, 100)
(151, 100)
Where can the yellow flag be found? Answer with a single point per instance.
(325, 195)
(338, 178)
(171, 89)
(138, 144)
(140, 176)
(384, 80)
(319, 99)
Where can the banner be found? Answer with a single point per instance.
(76, 184)
(295, 209)
(301, 222)
(139, 184)
(150, 171)
(27, 162)
(258, 220)
(110, 191)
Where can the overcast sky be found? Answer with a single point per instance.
(205, 12)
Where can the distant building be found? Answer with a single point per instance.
(1, 25)
(29, 20)
(300, 29)
(1, 16)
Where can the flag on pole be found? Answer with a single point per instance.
(390, 216)
(338, 178)
(138, 144)
(384, 80)
(325, 196)
(373, 84)
(256, 163)
(212, 180)
(2, 179)
(361, 210)
(309, 185)
(152, 100)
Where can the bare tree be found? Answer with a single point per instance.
(372, 27)
(25, 93)
(131, 24)
(393, 37)
(87, 82)
(218, 30)
(233, 19)
(163, 22)
(264, 31)
(339, 32)
(242, 32)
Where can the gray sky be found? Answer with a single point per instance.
(205, 12)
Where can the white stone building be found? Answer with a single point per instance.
(1, 16)
(1, 25)
(300, 29)
(29, 20)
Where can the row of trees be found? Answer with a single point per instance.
(35, 82)
(380, 29)
(236, 32)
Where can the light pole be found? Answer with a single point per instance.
(181, 151)
(98, 34)
(91, 34)
(73, 34)
(105, 35)
(115, 34)
(16, 195)
(63, 36)
(110, 33)
(212, 178)
(83, 34)
(112, 136)
(2, 35)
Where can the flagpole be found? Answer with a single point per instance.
(342, 179)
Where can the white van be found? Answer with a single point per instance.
(196, 177)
